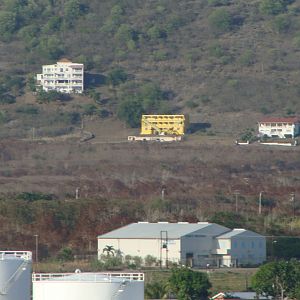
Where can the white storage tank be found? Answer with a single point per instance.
(88, 286)
(15, 275)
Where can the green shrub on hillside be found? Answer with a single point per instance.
(216, 50)
(3, 117)
(281, 23)
(116, 76)
(65, 254)
(220, 20)
(218, 2)
(247, 58)
(8, 24)
(45, 97)
(130, 111)
(28, 109)
(274, 7)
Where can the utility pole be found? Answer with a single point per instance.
(236, 193)
(293, 203)
(36, 248)
(259, 203)
(163, 193)
(77, 193)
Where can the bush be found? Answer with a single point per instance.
(191, 104)
(117, 76)
(218, 2)
(220, 20)
(3, 117)
(273, 7)
(247, 58)
(155, 32)
(35, 196)
(28, 109)
(281, 23)
(150, 260)
(248, 135)
(7, 99)
(130, 111)
(89, 109)
(156, 290)
(216, 50)
(189, 285)
(65, 254)
(44, 97)
(8, 24)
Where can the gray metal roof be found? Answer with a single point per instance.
(175, 230)
(239, 232)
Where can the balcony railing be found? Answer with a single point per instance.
(94, 277)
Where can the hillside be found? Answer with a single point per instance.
(224, 63)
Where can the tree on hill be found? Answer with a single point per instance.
(220, 20)
(189, 285)
(278, 279)
(274, 7)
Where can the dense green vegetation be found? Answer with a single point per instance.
(243, 55)
(278, 279)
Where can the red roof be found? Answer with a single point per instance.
(292, 120)
(64, 60)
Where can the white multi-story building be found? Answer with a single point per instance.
(193, 244)
(64, 77)
(279, 127)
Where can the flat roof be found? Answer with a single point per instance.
(144, 230)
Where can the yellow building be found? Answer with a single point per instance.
(163, 124)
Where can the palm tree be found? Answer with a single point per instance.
(109, 250)
(156, 290)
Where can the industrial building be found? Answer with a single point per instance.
(64, 76)
(279, 127)
(193, 244)
(163, 124)
(243, 247)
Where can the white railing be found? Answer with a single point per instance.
(94, 277)
(26, 255)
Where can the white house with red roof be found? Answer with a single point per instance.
(279, 127)
(64, 76)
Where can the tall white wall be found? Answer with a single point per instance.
(142, 248)
(248, 250)
(64, 290)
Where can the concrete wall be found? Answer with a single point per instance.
(200, 248)
(245, 250)
(142, 248)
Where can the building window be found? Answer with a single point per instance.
(234, 244)
(252, 245)
(243, 244)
